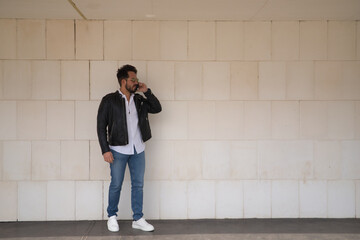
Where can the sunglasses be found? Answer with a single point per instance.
(134, 80)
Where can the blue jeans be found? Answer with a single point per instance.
(136, 164)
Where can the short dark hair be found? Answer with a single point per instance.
(122, 72)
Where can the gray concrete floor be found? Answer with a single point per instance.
(249, 229)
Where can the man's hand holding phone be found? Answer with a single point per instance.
(142, 87)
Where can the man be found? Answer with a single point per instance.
(123, 127)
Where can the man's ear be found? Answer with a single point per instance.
(123, 81)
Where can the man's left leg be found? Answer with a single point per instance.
(137, 171)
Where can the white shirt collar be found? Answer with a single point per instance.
(123, 95)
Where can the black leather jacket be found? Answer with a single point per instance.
(111, 118)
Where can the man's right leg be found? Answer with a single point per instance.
(117, 176)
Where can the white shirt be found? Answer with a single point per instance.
(133, 128)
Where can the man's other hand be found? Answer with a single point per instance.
(108, 157)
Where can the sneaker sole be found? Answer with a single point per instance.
(113, 230)
(136, 227)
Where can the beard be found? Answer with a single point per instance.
(133, 89)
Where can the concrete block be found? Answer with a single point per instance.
(75, 170)
(32, 201)
(313, 199)
(117, 40)
(159, 155)
(201, 199)
(313, 119)
(30, 37)
(284, 205)
(285, 119)
(1, 80)
(357, 120)
(229, 40)
(16, 79)
(327, 160)
(350, 159)
(243, 160)
(201, 120)
(106, 185)
(99, 169)
(8, 38)
(7, 120)
(341, 117)
(152, 200)
(216, 81)
(1, 159)
(85, 119)
(229, 121)
(88, 200)
(300, 80)
(173, 200)
(187, 164)
(313, 40)
(160, 78)
(285, 40)
(45, 78)
(60, 201)
(8, 200)
(60, 117)
(16, 160)
(358, 39)
(341, 40)
(229, 199)
(216, 160)
(244, 80)
(31, 120)
(89, 39)
(45, 160)
(328, 82)
(188, 81)
(103, 78)
(173, 40)
(257, 121)
(60, 39)
(350, 80)
(201, 40)
(75, 80)
(341, 199)
(294, 156)
(257, 199)
(172, 122)
(257, 41)
(146, 40)
(272, 80)
(357, 199)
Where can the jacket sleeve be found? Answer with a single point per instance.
(102, 123)
(154, 105)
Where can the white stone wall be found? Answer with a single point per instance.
(260, 119)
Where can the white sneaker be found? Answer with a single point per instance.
(142, 225)
(112, 224)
